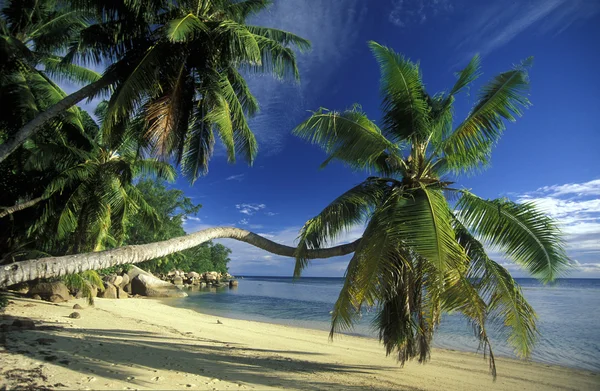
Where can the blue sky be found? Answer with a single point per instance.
(549, 156)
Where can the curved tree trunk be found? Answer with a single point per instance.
(35, 124)
(17, 207)
(59, 266)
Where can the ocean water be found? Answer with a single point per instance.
(568, 314)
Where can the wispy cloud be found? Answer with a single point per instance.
(238, 178)
(243, 222)
(407, 13)
(332, 27)
(491, 25)
(250, 209)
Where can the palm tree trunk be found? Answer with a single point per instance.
(17, 272)
(17, 207)
(35, 124)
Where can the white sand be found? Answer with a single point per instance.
(145, 344)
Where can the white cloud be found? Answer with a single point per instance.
(271, 214)
(238, 177)
(581, 189)
(490, 25)
(250, 209)
(243, 222)
(193, 218)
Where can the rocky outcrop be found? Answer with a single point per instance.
(200, 280)
(47, 290)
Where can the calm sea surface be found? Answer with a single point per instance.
(568, 310)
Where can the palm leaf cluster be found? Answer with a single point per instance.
(180, 66)
(420, 256)
(89, 203)
(32, 36)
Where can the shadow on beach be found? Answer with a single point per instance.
(109, 354)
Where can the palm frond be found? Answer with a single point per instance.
(466, 76)
(346, 211)
(350, 137)
(244, 140)
(242, 91)
(501, 99)
(282, 37)
(505, 298)
(154, 168)
(423, 221)
(405, 108)
(60, 70)
(185, 29)
(168, 116)
(241, 10)
(199, 146)
(275, 58)
(526, 235)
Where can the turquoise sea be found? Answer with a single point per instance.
(568, 310)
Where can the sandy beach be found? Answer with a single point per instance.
(146, 344)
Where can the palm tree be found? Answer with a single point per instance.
(181, 65)
(101, 194)
(51, 267)
(31, 35)
(419, 257)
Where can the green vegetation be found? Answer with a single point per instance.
(419, 256)
(174, 84)
(172, 207)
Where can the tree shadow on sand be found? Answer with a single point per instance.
(109, 353)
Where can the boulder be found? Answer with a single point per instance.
(36, 297)
(126, 280)
(193, 275)
(210, 276)
(135, 271)
(127, 288)
(178, 281)
(75, 315)
(151, 286)
(114, 279)
(47, 289)
(233, 283)
(77, 307)
(57, 299)
(110, 292)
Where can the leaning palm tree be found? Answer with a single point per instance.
(181, 64)
(419, 256)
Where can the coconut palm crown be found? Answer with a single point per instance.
(186, 74)
(419, 256)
